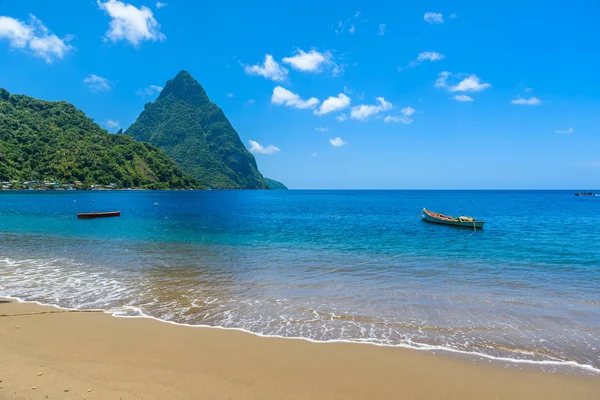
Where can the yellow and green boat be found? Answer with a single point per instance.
(465, 222)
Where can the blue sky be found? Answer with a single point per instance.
(353, 94)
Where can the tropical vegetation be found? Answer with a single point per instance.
(42, 140)
(197, 135)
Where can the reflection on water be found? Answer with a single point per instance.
(343, 266)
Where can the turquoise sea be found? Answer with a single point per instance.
(325, 265)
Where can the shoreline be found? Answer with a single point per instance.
(561, 367)
(141, 358)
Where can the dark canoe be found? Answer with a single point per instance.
(465, 222)
(99, 215)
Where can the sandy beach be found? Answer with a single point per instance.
(47, 353)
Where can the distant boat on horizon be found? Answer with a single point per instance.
(588, 194)
(464, 222)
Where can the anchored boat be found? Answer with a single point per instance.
(93, 215)
(436, 218)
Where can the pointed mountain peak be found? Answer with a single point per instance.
(184, 86)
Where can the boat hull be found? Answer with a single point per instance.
(462, 224)
(99, 215)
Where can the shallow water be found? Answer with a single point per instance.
(324, 265)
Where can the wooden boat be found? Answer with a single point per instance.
(93, 215)
(436, 218)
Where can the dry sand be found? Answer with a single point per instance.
(95, 356)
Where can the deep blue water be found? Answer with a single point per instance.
(324, 265)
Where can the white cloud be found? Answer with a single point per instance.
(283, 96)
(130, 23)
(441, 81)
(321, 129)
(532, 101)
(469, 84)
(333, 103)
(257, 148)
(381, 30)
(337, 142)
(403, 118)
(270, 69)
(342, 117)
(565, 131)
(251, 101)
(161, 5)
(463, 97)
(341, 26)
(313, 61)
(432, 56)
(34, 37)
(453, 15)
(230, 95)
(97, 83)
(109, 123)
(364, 111)
(149, 90)
(433, 18)
(408, 111)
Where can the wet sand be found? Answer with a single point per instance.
(65, 355)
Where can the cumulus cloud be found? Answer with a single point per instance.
(463, 97)
(453, 15)
(469, 84)
(312, 61)
(342, 117)
(337, 142)
(333, 103)
(130, 23)
(381, 30)
(109, 123)
(403, 118)
(532, 101)
(269, 69)
(257, 148)
(565, 131)
(432, 56)
(433, 18)
(149, 90)
(97, 83)
(161, 5)
(364, 111)
(284, 97)
(34, 37)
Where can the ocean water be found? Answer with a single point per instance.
(325, 265)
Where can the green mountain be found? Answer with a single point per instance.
(274, 185)
(195, 133)
(55, 141)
